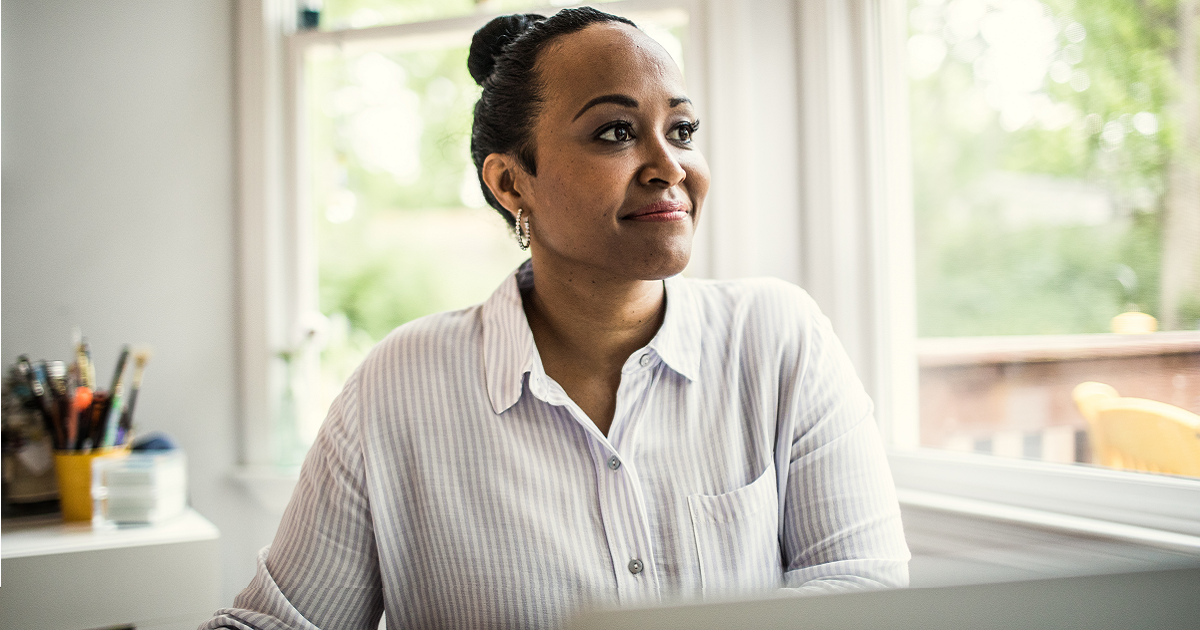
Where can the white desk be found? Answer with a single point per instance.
(61, 576)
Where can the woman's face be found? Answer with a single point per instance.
(620, 182)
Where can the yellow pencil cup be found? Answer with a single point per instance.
(74, 471)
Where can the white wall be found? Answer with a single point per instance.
(118, 216)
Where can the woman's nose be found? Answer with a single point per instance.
(661, 168)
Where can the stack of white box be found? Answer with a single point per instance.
(145, 487)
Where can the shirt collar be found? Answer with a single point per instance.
(509, 351)
(678, 340)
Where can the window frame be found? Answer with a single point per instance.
(819, 194)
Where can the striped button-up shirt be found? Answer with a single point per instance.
(456, 485)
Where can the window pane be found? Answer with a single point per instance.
(1056, 153)
(402, 229)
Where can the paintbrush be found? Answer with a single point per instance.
(140, 357)
(116, 400)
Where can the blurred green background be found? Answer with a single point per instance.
(1045, 136)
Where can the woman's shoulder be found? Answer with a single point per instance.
(764, 294)
(763, 312)
(429, 339)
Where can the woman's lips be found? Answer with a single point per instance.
(661, 211)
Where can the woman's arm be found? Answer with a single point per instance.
(841, 524)
(322, 570)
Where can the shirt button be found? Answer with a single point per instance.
(645, 360)
(614, 463)
(635, 566)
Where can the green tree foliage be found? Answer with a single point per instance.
(1097, 120)
(390, 220)
(400, 227)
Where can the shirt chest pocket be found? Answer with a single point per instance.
(737, 536)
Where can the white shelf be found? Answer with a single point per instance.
(71, 576)
(48, 535)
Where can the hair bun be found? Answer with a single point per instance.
(488, 43)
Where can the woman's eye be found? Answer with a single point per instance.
(617, 133)
(682, 133)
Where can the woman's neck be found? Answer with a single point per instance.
(599, 319)
(586, 325)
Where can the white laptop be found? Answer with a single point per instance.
(1157, 600)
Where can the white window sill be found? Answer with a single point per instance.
(1159, 510)
(270, 486)
(1048, 520)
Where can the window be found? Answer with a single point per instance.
(400, 227)
(1057, 201)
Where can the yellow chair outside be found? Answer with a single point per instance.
(1139, 434)
(1088, 396)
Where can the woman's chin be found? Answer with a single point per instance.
(668, 261)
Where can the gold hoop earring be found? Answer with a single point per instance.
(523, 236)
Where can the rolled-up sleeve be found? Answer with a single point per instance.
(841, 525)
(322, 570)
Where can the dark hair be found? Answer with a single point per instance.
(502, 59)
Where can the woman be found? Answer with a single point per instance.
(600, 430)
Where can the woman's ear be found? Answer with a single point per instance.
(500, 173)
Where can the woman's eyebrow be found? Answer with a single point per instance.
(619, 99)
(625, 101)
